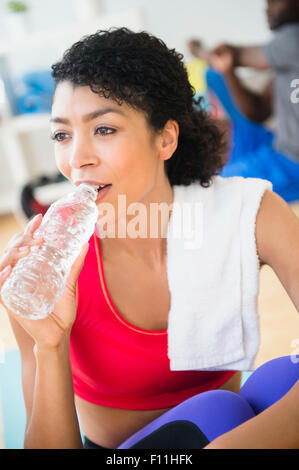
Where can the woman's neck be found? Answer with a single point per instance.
(143, 234)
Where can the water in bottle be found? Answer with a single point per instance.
(37, 280)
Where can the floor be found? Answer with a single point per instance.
(279, 325)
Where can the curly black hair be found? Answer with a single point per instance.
(139, 69)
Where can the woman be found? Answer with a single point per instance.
(123, 116)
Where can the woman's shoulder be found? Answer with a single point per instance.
(226, 187)
(249, 183)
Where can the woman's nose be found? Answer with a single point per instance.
(82, 154)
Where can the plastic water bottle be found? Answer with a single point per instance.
(37, 280)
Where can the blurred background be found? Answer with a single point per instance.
(33, 35)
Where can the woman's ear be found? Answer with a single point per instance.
(169, 140)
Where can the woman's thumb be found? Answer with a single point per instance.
(77, 266)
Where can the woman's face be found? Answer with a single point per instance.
(97, 139)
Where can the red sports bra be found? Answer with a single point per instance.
(117, 364)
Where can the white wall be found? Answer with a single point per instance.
(175, 21)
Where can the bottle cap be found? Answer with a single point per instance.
(89, 188)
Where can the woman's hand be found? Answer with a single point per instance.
(223, 58)
(49, 331)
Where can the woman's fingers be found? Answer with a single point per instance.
(32, 225)
(19, 245)
(4, 274)
(29, 234)
(76, 268)
(25, 237)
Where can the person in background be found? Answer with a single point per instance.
(258, 152)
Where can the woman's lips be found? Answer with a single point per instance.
(102, 192)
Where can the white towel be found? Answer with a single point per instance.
(214, 281)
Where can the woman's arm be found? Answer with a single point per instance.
(53, 423)
(251, 56)
(44, 345)
(277, 239)
(277, 427)
(255, 106)
(242, 56)
(225, 58)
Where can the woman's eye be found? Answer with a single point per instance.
(58, 136)
(61, 136)
(105, 130)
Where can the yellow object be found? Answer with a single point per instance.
(196, 73)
